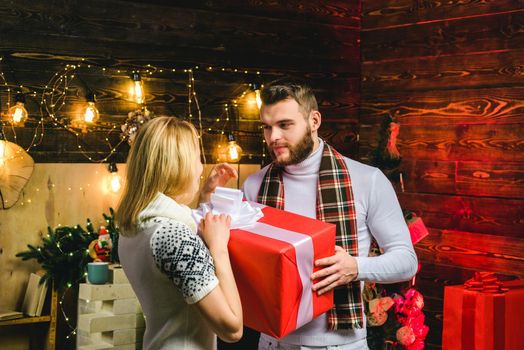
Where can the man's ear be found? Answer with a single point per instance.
(315, 119)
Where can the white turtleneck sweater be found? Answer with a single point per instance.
(378, 215)
(170, 269)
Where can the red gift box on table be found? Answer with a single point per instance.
(273, 260)
(479, 319)
(417, 229)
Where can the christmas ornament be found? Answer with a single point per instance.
(100, 249)
(134, 121)
(16, 167)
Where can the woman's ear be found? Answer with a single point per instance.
(315, 119)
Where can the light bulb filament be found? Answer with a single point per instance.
(91, 113)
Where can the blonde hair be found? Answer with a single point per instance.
(161, 159)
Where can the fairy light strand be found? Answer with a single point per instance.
(56, 95)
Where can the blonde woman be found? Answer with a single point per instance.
(184, 283)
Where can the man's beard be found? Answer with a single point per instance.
(298, 152)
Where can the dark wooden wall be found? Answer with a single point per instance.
(315, 40)
(452, 74)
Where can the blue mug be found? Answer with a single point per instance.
(98, 272)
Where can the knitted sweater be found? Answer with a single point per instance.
(170, 269)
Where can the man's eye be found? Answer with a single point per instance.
(265, 127)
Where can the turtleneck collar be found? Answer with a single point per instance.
(310, 165)
(164, 206)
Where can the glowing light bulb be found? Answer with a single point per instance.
(234, 151)
(137, 89)
(91, 114)
(115, 181)
(17, 113)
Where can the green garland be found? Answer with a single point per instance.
(64, 254)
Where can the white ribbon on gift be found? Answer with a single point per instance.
(229, 201)
(245, 215)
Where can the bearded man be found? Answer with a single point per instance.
(309, 177)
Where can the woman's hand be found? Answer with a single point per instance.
(215, 230)
(218, 176)
(221, 307)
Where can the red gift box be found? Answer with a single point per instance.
(479, 320)
(273, 261)
(417, 229)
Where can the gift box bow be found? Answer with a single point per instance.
(245, 216)
(230, 201)
(485, 282)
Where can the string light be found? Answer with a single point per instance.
(18, 113)
(258, 99)
(137, 88)
(91, 114)
(234, 151)
(54, 98)
(231, 153)
(115, 181)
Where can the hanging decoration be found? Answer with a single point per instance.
(16, 167)
(114, 181)
(230, 152)
(61, 93)
(137, 89)
(386, 156)
(134, 121)
(18, 113)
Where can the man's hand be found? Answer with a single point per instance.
(340, 269)
(218, 176)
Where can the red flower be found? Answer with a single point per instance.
(417, 345)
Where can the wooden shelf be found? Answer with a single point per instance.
(25, 320)
(37, 321)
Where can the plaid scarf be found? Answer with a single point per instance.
(335, 204)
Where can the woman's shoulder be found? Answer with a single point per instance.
(171, 227)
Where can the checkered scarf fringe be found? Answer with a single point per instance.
(336, 205)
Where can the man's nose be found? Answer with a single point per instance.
(274, 135)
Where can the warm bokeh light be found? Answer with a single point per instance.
(91, 114)
(115, 180)
(136, 90)
(18, 114)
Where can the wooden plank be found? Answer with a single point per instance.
(494, 216)
(480, 179)
(52, 62)
(491, 179)
(428, 176)
(483, 252)
(453, 37)
(387, 13)
(232, 56)
(112, 22)
(341, 136)
(498, 143)
(463, 106)
(333, 12)
(494, 69)
(488, 143)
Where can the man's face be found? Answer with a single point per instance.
(287, 133)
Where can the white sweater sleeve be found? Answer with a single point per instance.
(387, 225)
